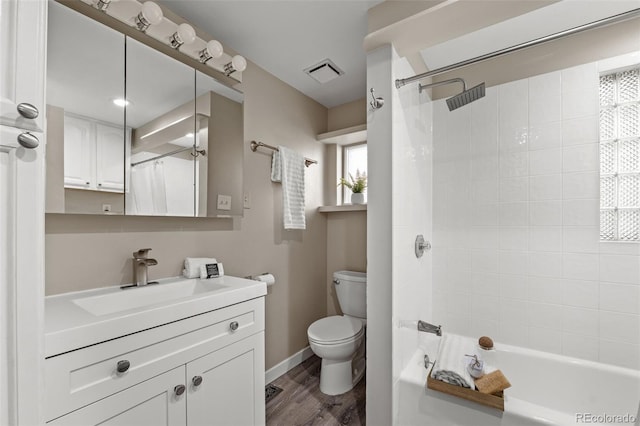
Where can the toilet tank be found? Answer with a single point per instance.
(351, 288)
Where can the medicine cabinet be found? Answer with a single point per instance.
(132, 131)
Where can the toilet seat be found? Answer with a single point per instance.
(335, 330)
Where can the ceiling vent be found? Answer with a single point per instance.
(324, 71)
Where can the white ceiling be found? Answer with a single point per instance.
(545, 21)
(285, 37)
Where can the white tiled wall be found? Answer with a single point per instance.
(516, 243)
(411, 214)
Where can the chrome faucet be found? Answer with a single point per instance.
(429, 328)
(141, 266)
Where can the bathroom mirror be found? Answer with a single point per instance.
(174, 147)
(85, 116)
(160, 110)
(220, 133)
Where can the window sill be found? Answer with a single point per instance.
(343, 208)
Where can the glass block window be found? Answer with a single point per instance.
(620, 156)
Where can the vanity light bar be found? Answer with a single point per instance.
(147, 17)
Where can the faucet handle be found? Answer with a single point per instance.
(142, 253)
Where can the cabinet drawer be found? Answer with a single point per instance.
(151, 403)
(77, 378)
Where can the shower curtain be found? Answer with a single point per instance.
(148, 189)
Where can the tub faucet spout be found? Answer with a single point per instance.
(429, 328)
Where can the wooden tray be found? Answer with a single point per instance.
(490, 400)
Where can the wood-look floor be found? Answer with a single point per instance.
(302, 403)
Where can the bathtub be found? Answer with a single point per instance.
(546, 389)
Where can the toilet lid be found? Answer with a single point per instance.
(334, 329)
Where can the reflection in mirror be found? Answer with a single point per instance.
(220, 132)
(161, 113)
(85, 115)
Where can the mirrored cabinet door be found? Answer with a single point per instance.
(219, 160)
(86, 130)
(161, 114)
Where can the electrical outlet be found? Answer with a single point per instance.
(106, 208)
(224, 202)
(247, 200)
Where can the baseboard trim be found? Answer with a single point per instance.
(286, 365)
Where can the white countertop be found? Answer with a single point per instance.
(68, 326)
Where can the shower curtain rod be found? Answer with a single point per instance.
(198, 152)
(595, 24)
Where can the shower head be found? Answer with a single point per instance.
(461, 99)
(466, 97)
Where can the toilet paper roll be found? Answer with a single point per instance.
(266, 278)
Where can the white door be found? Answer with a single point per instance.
(23, 27)
(21, 278)
(22, 56)
(110, 143)
(231, 385)
(154, 402)
(79, 153)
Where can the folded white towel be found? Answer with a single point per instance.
(276, 167)
(192, 266)
(288, 166)
(451, 364)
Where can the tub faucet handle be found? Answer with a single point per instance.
(427, 361)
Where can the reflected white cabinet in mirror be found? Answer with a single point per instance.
(93, 155)
(173, 146)
(85, 117)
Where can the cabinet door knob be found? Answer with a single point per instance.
(27, 110)
(233, 326)
(179, 390)
(123, 366)
(197, 380)
(28, 140)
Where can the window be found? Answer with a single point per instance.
(354, 161)
(620, 156)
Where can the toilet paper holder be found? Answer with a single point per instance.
(253, 277)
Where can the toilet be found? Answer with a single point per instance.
(339, 339)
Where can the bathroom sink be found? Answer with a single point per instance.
(140, 297)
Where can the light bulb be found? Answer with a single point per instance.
(185, 35)
(103, 5)
(151, 14)
(212, 51)
(238, 63)
(121, 102)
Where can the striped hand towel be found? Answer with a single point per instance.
(287, 166)
(451, 365)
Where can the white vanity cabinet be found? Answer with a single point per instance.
(206, 369)
(93, 155)
(226, 393)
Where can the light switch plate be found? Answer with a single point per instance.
(247, 200)
(224, 202)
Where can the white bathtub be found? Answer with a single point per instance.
(546, 389)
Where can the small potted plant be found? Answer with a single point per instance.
(357, 186)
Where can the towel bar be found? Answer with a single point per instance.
(254, 146)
